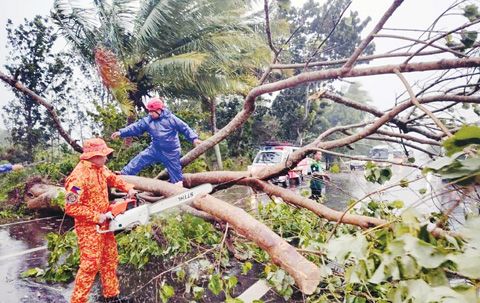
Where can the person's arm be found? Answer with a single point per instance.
(117, 182)
(74, 198)
(133, 130)
(186, 131)
(5, 168)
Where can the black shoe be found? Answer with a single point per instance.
(117, 299)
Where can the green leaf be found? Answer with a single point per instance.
(215, 284)
(471, 12)
(468, 38)
(198, 292)
(232, 282)
(32, 272)
(246, 267)
(347, 246)
(404, 183)
(166, 292)
(468, 134)
(425, 254)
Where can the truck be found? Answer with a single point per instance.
(274, 154)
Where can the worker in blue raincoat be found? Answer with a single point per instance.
(163, 127)
(5, 168)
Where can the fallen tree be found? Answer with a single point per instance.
(305, 273)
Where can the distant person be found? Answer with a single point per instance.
(5, 168)
(87, 202)
(163, 127)
(317, 183)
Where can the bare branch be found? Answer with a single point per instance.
(351, 61)
(445, 49)
(378, 113)
(50, 109)
(330, 131)
(365, 158)
(267, 27)
(365, 58)
(414, 100)
(442, 36)
(408, 137)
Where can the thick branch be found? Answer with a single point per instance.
(50, 109)
(378, 113)
(242, 116)
(305, 273)
(364, 58)
(286, 194)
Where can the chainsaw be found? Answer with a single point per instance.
(125, 214)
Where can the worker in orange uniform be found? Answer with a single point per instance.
(87, 202)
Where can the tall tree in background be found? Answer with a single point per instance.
(260, 127)
(183, 49)
(322, 33)
(33, 62)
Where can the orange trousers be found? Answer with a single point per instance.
(98, 253)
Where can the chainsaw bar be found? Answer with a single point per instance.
(140, 215)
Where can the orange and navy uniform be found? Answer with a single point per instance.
(86, 199)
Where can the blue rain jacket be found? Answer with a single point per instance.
(5, 168)
(165, 145)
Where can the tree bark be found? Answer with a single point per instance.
(50, 109)
(335, 73)
(40, 196)
(305, 273)
(213, 123)
(286, 195)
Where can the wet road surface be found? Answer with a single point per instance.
(23, 246)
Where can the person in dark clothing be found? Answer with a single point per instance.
(318, 177)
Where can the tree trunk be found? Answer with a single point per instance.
(213, 123)
(305, 273)
(40, 197)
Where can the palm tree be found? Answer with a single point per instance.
(199, 48)
(196, 49)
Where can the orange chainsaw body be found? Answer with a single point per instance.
(119, 207)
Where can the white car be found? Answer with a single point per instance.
(279, 154)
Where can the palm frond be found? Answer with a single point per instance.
(183, 67)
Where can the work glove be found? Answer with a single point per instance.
(104, 217)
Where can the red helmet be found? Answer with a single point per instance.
(155, 104)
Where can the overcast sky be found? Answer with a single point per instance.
(412, 14)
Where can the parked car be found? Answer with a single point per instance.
(271, 155)
(385, 152)
(355, 164)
